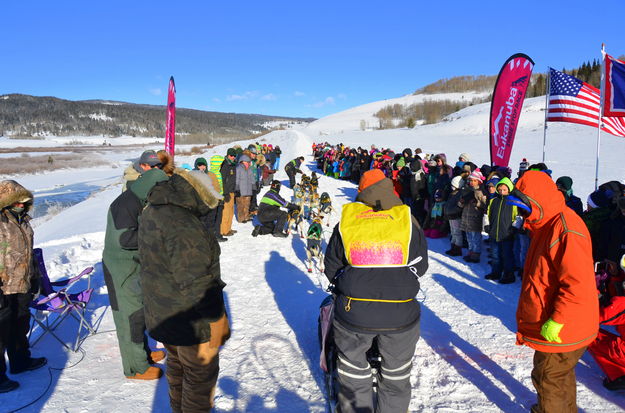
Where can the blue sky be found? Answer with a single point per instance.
(289, 58)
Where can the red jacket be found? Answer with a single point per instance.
(558, 278)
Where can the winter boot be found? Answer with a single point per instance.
(280, 234)
(492, 276)
(156, 356)
(152, 373)
(28, 365)
(256, 231)
(474, 257)
(455, 251)
(507, 278)
(7, 385)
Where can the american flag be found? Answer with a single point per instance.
(571, 100)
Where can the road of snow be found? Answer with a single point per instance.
(466, 360)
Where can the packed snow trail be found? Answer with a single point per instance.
(466, 360)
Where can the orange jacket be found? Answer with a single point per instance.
(558, 278)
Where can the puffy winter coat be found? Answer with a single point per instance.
(17, 269)
(228, 176)
(180, 273)
(245, 180)
(474, 201)
(558, 278)
(501, 215)
(215, 167)
(377, 283)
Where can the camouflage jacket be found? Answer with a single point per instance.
(16, 241)
(180, 273)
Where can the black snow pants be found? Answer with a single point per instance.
(354, 371)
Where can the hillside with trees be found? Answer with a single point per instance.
(434, 110)
(31, 116)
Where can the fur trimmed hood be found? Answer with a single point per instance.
(203, 185)
(12, 192)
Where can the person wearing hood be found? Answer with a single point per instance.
(19, 280)
(182, 288)
(200, 164)
(418, 190)
(501, 218)
(558, 310)
(374, 258)
(120, 263)
(596, 215)
(565, 185)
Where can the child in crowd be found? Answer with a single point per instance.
(474, 205)
(501, 216)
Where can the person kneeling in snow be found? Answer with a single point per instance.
(272, 219)
(608, 349)
(374, 258)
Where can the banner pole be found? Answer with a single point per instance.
(548, 91)
(599, 124)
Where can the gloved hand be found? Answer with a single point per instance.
(227, 197)
(551, 331)
(35, 285)
(237, 194)
(220, 332)
(291, 206)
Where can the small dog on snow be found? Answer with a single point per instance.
(295, 221)
(313, 244)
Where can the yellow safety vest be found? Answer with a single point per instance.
(376, 239)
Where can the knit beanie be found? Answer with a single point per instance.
(566, 183)
(369, 178)
(477, 175)
(598, 199)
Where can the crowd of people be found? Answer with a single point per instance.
(164, 280)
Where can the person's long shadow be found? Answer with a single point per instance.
(482, 302)
(443, 340)
(298, 298)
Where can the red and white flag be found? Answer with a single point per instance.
(571, 100)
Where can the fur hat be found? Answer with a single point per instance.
(12, 192)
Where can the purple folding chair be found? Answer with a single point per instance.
(54, 306)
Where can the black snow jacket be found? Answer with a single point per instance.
(397, 283)
(228, 175)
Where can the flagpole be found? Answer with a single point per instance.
(600, 115)
(548, 90)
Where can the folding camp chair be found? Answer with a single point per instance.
(54, 306)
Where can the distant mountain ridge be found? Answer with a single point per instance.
(32, 116)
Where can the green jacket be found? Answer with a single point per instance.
(180, 273)
(120, 256)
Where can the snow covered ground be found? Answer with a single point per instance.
(466, 360)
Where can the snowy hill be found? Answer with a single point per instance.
(351, 119)
(466, 360)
